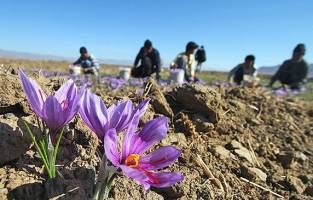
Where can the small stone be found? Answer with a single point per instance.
(259, 173)
(235, 145)
(2, 171)
(244, 153)
(3, 193)
(252, 173)
(295, 184)
(240, 150)
(154, 196)
(301, 156)
(8, 115)
(221, 152)
(254, 121)
(178, 139)
(12, 176)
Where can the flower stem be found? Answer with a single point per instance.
(104, 180)
(45, 161)
(101, 178)
(52, 152)
(43, 146)
(106, 189)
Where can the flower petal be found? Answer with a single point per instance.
(53, 114)
(121, 115)
(142, 107)
(148, 179)
(111, 110)
(153, 131)
(66, 92)
(137, 175)
(94, 113)
(74, 103)
(130, 139)
(165, 179)
(34, 94)
(160, 158)
(110, 147)
(138, 113)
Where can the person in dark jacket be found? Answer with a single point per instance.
(150, 62)
(293, 71)
(247, 68)
(87, 62)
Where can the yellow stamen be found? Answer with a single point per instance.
(132, 160)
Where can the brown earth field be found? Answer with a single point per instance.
(237, 143)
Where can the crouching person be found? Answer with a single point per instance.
(149, 58)
(87, 62)
(244, 73)
(293, 72)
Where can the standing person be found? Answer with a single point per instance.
(293, 71)
(237, 74)
(186, 61)
(150, 62)
(87, 62)
(200, 58)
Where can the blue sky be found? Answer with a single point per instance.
(229, 29)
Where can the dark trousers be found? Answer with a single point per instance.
(144, 70)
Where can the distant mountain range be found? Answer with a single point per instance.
(32, 56)
(270, 70)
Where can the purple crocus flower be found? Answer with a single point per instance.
(100, 119)
(132, 161)
(55, 110)
(94, 113)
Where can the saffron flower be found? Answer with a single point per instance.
(132, 161)
(55, 110)
(100, 119)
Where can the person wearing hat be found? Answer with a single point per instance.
(87, 62)
(150, 62)
(293, 71)
(247, 68)
(186, 61)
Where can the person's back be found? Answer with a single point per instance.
(293, 71)
(149, 59)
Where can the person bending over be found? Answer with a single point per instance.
(149, 58)
(87, 62)
(294, 71)
(247, 69)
